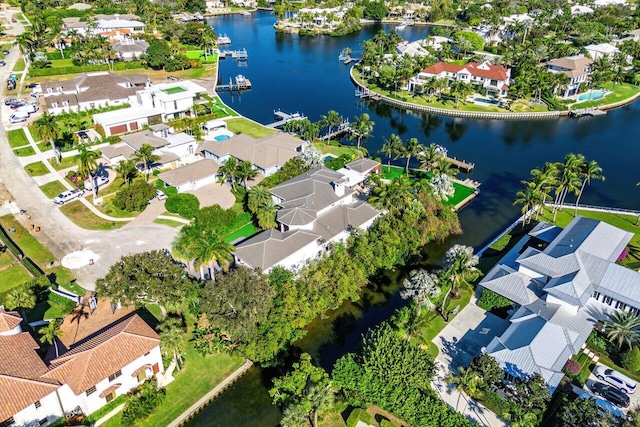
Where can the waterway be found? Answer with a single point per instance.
(303, 74)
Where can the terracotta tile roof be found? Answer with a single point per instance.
(9, 320)
(19, 358)
(140, 370)
(494, 72)
(17, 393)
(103, 353)
(110, 390)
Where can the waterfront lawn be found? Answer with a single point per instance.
(53, 188)
(621, 91)
(255, 130)
(83, 217)
(6, 259)
(17, 138)
(336, 150)
(199, 375)
(13, 276)
(624, 222)
(36, 169)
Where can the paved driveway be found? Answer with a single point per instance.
(463, 338)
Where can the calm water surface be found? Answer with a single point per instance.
(303, 74)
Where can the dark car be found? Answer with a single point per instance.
(5, 52)
(32, 85)
(612, 394)
(82, 134)
(12, 101)
(17, 105)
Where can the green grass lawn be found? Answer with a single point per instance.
(245, 231)
(59, 63)
(13, 276)
(248, 127)
(168, 222)
(83, 217)
(36, 169)
(53, 188)
(17, 138)
(20, 65)
(391, 172)
(219, 105)
(6, 258)
(27, 242)
(24, 151)
(66, 162)
(108, 208)
(336, 150)
(199, 54)
(621, 91)
(46, 310)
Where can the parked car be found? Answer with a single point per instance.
(5, 52)
(29, 108)
(616, 379)
(18, 117)
(83, 135)
(612, 394)
(2, 63)
(32, 85)
(98, 180)
(17, 105)
(160, 195)
(12, 101)
(67, 196)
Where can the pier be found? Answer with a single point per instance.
(241, 84)
(591, 112)
(344, 127)
(239, 55)
(283, 118)
(461, 164)
(223, 39)
(364, 93)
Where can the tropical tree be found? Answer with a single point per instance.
(127, 170)
(229, 170)
(145, 155)
(172, 340)
(569, 180)
(460, 90)
(258, 196)
(87, 160)
(320, 398)
(209, 247)
(590, 170)
(421, 287)
(394, 196)
(47, 130)
(49, 333)
(245, 172)
(623, 328)
(22, 298)
(431, 155)
(330, 120)
(412, 149)
(361, 128)
(466, 380)
(391, 146)
(459, 268)
(528, 198)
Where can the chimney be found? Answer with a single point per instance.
(339, 185)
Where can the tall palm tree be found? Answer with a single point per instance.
(569, 180)
(228, 171)
(172, 340)
(266, 215)
(245, 172)
(49, 333)
(294, 416)
(320, 398)
(361, 128)
(209, 247)
(87, 160)
(22, 298)
(391, 147)
(466, 380)
(445, 167)
(431, 156)
(460, 90)
(257, 197)
(623, 328)
(182, 244)
(529, 198)
(47, 129)
(145, 155)
(412, 149)
(127, 170)
(544, 181)
(394, 196)
(590, 170)
(330, 120)
(459, 268)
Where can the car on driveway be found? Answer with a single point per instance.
(32, 85)
(18, 117)
(12, 101)
(98, 180)
(160, 195)
(5, 52)
(67, 196)
(83, 135)
(616, 379)
(612, 394)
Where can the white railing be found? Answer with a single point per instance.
(598, 208)
(505, 231)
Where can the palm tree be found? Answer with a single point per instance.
(245, 172)
(258, 196)
(172, 340)
(294, 416)
(127, 170)
(145, 155)
(228, 171)
(47, 129)
(330, 120)
(445, 167)
(422, 288)
(430, 156)
(394, 196)
(590, 170)
(544, 182)
(413, 148)
(459, 268)
(21, 297)
(181, 245)
(49, 333)
(569, 180)
(623, 328)
(87, 160)
(27, 44)
(466, 380)
(361, 128)
(528, 198)
(266, 215)
(320, 398)
(209, 247)
(391, 147)
(460, 90)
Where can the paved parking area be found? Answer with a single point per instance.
(463, 338)
(634, 398)
(215, 194)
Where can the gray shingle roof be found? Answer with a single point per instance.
(138, 139)
(363, 165)
(191, 172)
(342, 217)
(268, 248)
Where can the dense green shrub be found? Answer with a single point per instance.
(91, 419)
(631, 359)
(135, 197)
(598, 343)
(490, 300)
(185, 205)
(359, 414)
(496, 403)
(67, 304)
(142, 404)
(215, 218)
(118, 66)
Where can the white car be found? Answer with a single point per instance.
(160, 195)
(616, 379)
(18, 118)
(98, 180)
(67, 196)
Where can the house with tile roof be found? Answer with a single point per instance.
(90, 373)
(495, 79)
(317, 209)
(130, 49)
(192, 176)
(561, 281)
(113, 27)
(576, 67)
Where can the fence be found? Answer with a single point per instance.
(607, 209)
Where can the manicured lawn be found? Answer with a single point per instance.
(154, 309)
(66, 162)
(220, 108)
(53, 188)
(6, 259)
(36, 169)
(253, 129)
(199, 375)
(45, 310)
(621, 91)
(392, 172)
(336, 150)
(245, 231)
(27, 242)
(17, 138)
(24, 151)
(58, 63)
(83, 217)
(20, 65)
(199, 54)
(168, 222)
(12, 277)
(461, 193)
(109, 209)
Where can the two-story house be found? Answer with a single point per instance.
(576, 67)
(113, 27)
(494, 78)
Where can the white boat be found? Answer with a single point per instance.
(245, 13)
(401, 26)
(223, 39)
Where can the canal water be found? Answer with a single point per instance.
(301, 74)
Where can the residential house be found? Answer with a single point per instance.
(317, 210)
(113, 27)
(91, 91)
(358, 170)
(576, 67)
(192, 176)
(561, 282)
(578, 9)
(494, 78)
(130, 49)
(267, 155)
(597, 51)
(174, 149)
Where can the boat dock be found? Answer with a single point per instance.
(461, 164)
(587, 112)
(366, 93)
(240, 55)
(283, 118)
(344, 127)
(241, 84)
(223, 39)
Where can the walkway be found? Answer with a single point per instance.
(193, 409)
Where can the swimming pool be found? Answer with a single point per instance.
(487, 101)
(592, 95)
(221, 137)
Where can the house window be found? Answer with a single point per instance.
(91, 390)
(92, 105)
(191, 149)
(65, 103)
(115, 375)
(608, 300)
(8, 422)
(596, 295)
(37, 404)
(142, 376)
(54, 105)
(110, 397)
(175, 105)
(621, 305)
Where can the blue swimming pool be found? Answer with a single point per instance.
(221, 138)
(592, 95)
(487, 101)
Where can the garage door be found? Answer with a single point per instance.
(133, 125)
(117, 129)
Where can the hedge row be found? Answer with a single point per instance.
(118, 66)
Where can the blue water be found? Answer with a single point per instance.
(221, 138)
(592, 95)
(487, 101)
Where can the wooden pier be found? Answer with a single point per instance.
(223, 39)
(239, 55)
(283, 118)
(241, 84)
(461, 165)
(344, 127)
(591, 112)
(366, 93)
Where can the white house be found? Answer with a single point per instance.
(130, 49)
(493, 78)
(577, 68)
(192, 176)
(597, 51)
(561, 282)
(113, 27)
(317, 210)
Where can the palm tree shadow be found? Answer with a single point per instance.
(78, 314)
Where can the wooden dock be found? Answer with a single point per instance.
(283, 118)
(344, 127)
(461, 164)
(241, 84)
(591, 112)
(239, 55)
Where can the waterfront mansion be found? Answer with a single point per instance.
(562, 282)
